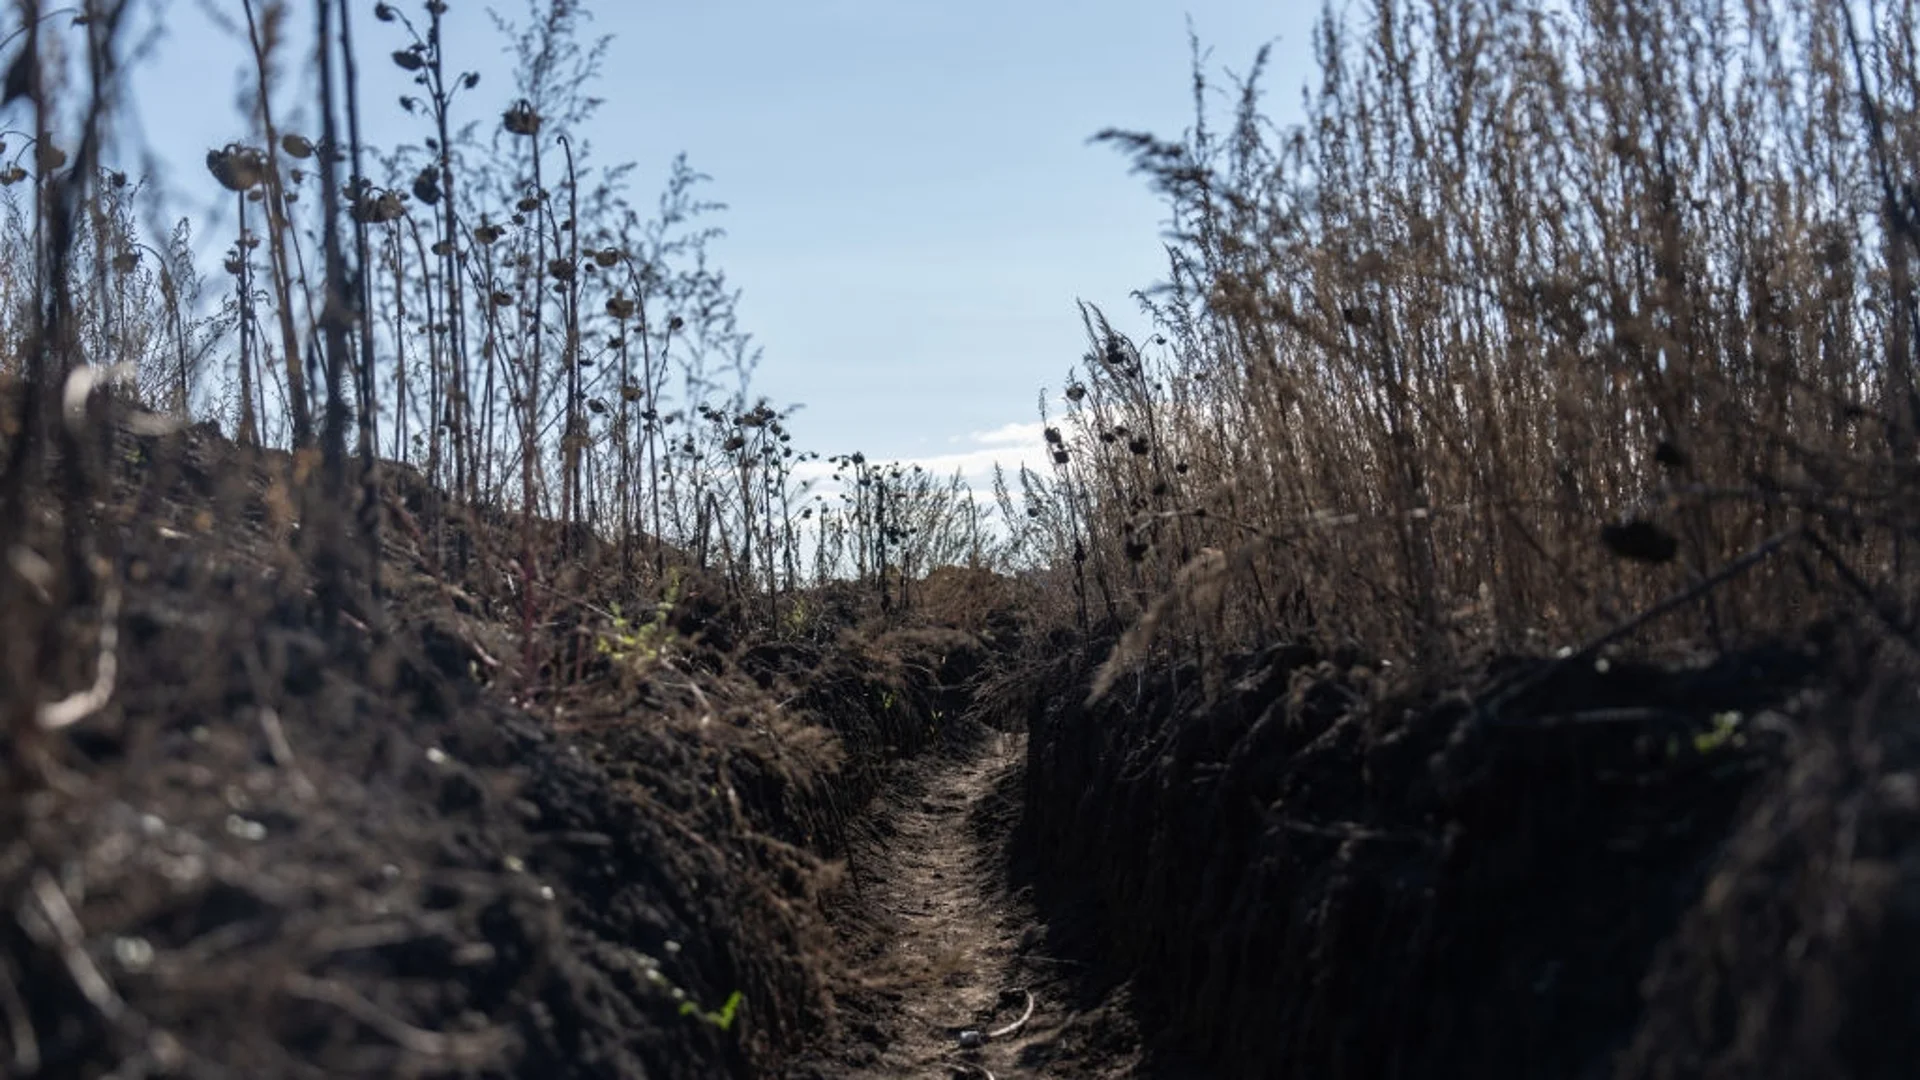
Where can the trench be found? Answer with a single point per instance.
(952, 972)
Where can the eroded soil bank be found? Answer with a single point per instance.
(390, 846)
(420, 840)
(1565, 869)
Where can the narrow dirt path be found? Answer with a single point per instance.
(951, 954)
(951, 980)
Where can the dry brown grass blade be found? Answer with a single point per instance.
(465, 1050)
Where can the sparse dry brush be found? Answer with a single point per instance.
(1544, 313)
(486, 424)
(504, 320)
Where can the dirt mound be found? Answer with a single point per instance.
(283, 850)
(1799, 959)
(1443, 887)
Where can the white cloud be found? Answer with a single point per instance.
(1009, 446)
(1017, 434)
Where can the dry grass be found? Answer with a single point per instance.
(1544, 313)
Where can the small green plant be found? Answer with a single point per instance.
(800, 617)
(641, 646)
(722, 1019)
(1724, 732)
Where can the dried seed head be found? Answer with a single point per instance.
(521, 119)
(426, 186)
(236, 167)
(377, 207)
(297, 146)
(607, 258)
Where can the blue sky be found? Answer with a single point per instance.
(914, 207)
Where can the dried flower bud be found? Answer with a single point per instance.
(426, 186)
(521, 119)
(236, 167)
(378, 207)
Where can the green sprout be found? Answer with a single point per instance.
(723, 1019)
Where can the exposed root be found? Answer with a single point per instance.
(74, 708)
(972, 1039)
(57, 927)
(26, 1048)
(1014, 1028)
(478, 1048)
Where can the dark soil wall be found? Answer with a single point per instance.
(1302, 882)
(340, 852)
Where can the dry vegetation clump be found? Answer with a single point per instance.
(1505, 529)
(1542, 315)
